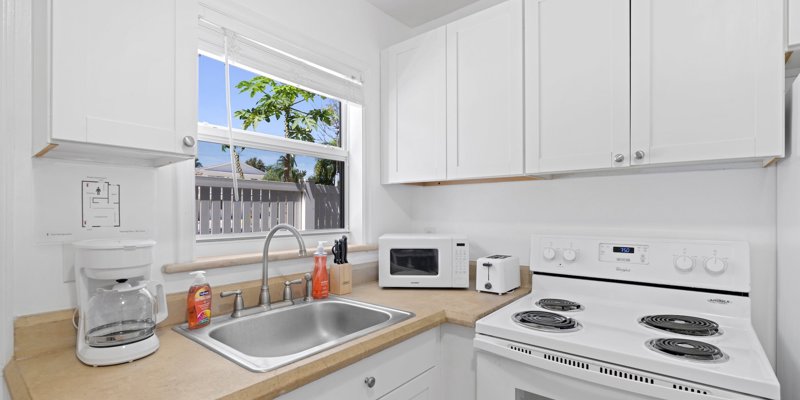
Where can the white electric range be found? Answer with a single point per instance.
(627, 318)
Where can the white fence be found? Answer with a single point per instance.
(264, 204)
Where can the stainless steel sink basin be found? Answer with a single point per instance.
(268, 340)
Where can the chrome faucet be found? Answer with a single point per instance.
(264, 297)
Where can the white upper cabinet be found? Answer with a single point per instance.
(576, 85)
(706, 80)
(607, 84)
(414, 109)
(792, 24)
(485, 94)
(122, 76)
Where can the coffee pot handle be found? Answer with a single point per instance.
(157, 290)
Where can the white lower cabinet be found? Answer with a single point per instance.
(403, 371)
(422, 387)
(436, 364)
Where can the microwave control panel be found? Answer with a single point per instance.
(460, 263)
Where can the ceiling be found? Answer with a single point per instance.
(414, 13)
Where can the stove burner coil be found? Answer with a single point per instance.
(546, 321)
(687, 349)
(681, 324)
(559, 305)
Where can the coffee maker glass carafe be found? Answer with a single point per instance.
(121, 315)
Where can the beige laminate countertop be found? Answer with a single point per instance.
(182, 369)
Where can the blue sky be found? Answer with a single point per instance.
(211, 109)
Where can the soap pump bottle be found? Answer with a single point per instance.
(319, 286)
(198, 302)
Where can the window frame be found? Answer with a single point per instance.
(212, 133)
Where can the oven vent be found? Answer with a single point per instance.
(566, 361)
(521, 349)
(689, 389)
(627, 375)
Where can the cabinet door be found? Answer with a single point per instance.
(414, 109)
(793, 24)
(420, 388)
(576, 85)
(484, 93)
(377, 375)
(706, 80)
(124, 73)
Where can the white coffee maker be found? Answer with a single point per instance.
(118, 303)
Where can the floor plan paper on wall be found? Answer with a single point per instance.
(101, 204)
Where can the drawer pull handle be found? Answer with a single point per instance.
(370, 381)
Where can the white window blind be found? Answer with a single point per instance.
(251, 54)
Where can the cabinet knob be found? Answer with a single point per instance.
(188, 141)
(370, 381)
(639, 155)
(619, 158)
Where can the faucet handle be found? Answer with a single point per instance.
(309, 287)
(238, 302)
(287, 289)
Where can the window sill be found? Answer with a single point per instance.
(206, 263)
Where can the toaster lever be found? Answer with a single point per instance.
(487, 265)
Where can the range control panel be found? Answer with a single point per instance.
(623, 252)
(723, 265)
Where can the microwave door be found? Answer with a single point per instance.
(420, 267)
(414, 262)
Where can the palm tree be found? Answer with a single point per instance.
(256, 163)
(236, 162)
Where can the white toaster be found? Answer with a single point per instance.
(497, 274)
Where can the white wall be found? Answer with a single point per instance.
(350, 29)
(6, 109)
(9, 107)
(737, 204)
(788, 338)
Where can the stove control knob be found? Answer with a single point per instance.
(570, 255)
(548, 253)
(716, 265)
(684, 263)
(488, 285)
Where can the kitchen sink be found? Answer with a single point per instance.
(271, 339)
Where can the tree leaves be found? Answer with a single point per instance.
(277, 101)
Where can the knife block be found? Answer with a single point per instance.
(341, 279)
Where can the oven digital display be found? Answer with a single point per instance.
(623, 249)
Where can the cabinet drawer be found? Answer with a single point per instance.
(390, 368)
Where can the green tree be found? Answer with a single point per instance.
(275, 172)
(325, 170)
(236, 163)
(256, 163)
(278, 101)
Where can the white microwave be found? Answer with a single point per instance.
(423, 260)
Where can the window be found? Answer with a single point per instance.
(283, 160)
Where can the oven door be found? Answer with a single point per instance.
(416, 263)
(513, 371)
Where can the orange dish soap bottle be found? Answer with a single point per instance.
(198, 302)
(319, 286)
